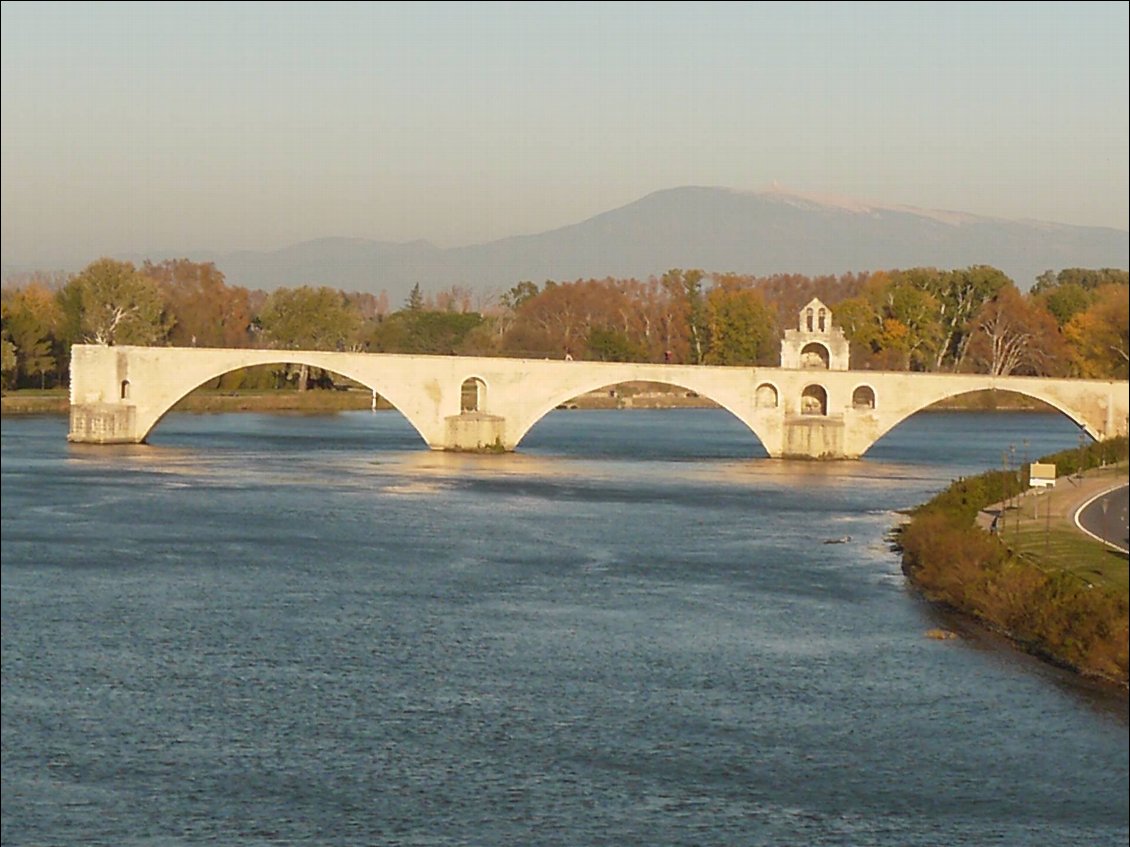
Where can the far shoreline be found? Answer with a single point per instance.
(624, 396)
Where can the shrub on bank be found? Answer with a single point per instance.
(1053, 614)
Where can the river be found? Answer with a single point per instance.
(288, 629)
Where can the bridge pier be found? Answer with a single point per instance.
(813, 437)
(104, 423)
(476, 432)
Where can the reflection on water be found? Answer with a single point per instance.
(277, 629)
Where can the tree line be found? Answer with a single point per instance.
(1073, 322)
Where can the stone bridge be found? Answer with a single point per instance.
(118, 394)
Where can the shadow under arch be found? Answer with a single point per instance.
(986, 401)
(191, 382)
(560, 398)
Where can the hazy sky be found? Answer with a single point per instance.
(138, 127)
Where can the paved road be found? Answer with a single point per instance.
(1105, 517)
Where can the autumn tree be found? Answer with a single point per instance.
(454, 298)
(113, 303)
(1015, 335)
(208, 312)
(31, 318)
(604, 319)
(552, 324)
(741, 327)
(893, 324)
(788, 293)
(1100, 335)
(664, 313)
(688, 289)
(8, 361)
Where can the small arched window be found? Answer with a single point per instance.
(765, 397)
(125, 389)
(472, 397)
(808, 316)
(863, 398)
(823, 317)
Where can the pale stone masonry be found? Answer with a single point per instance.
(118, 394)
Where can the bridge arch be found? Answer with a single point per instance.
(888, 420)
(557, 397)
(188, 379)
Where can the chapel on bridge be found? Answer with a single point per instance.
(815, 343)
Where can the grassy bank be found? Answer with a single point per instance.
(1050, 589)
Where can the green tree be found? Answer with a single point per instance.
(893, 324)
(1089, 279)
(116, 304)
(915, 311)
(1065, 301)
(1072, 290)
(606, 344)
(309, 318)
(862, 324)
(423, 331)
(513, 299)
(741, 328)
(415, 299)
(959, 294)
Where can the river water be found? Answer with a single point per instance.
(281, 629)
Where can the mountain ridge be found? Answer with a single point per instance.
(715, 229)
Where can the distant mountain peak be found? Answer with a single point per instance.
(775, 230)
(867, 207)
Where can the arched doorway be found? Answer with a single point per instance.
(814, 401)
(814, 356)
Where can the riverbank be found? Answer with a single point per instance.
(1014, 562)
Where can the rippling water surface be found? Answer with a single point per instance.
(274, 629)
